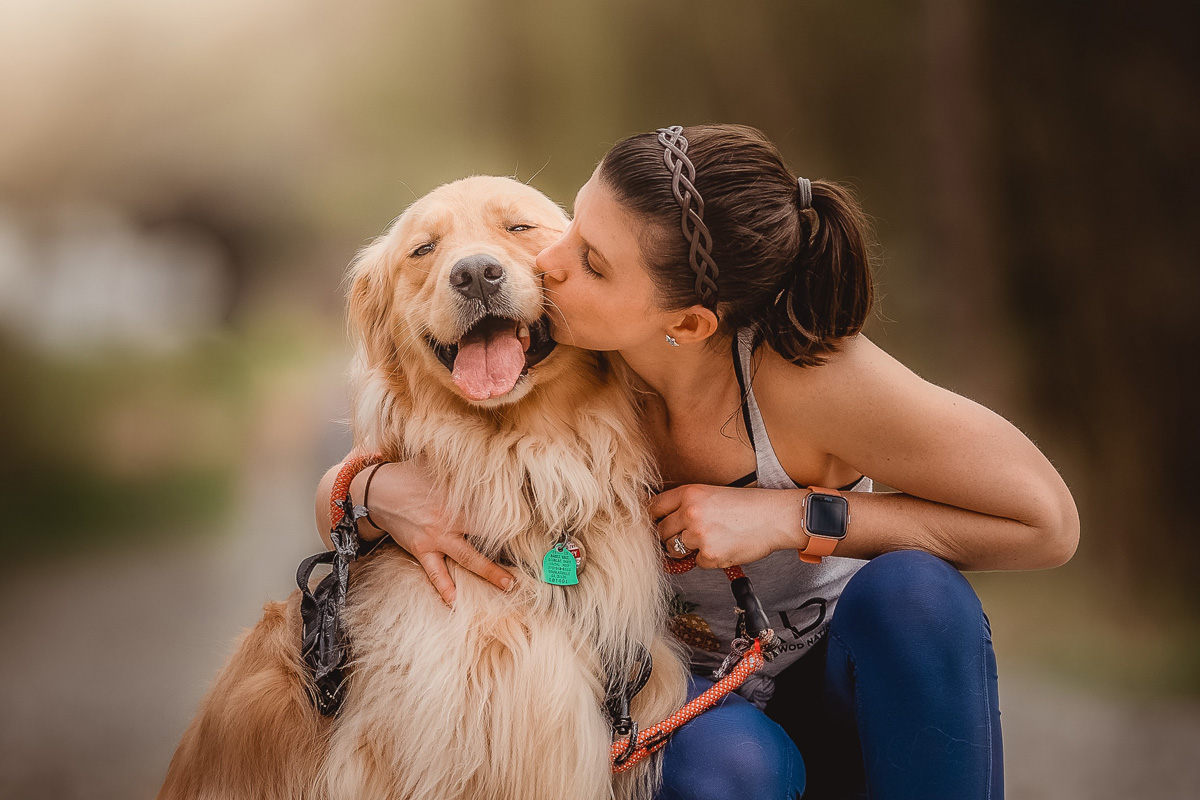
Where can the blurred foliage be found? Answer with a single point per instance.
(117, 447)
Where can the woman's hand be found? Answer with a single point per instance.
(727, 525)
(405, 503)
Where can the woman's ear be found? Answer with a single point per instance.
(369, 303)
(695, 325)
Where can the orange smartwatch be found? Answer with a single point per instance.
(825, 516)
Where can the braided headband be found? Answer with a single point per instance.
(683, 173)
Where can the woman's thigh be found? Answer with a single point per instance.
(733, 750)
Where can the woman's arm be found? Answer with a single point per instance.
(973, 489)
(404, 503)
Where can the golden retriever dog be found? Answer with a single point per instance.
(503, 697)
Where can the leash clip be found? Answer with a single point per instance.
(631, 746)
(738, 648)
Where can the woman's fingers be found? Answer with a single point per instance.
(435, 567)
(670, 530)
(667, 502)
(670, 526)
(458, 548)
(466, 555)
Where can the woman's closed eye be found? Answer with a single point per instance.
(587, 265)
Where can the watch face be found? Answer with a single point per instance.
(826, 515)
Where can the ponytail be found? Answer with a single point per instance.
(791, 259)
(828, 292)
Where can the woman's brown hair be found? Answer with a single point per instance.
(800, 277)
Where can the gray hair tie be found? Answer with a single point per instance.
(805, 192)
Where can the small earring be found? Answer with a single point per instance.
(671, 341)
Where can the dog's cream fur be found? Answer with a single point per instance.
(501, 699)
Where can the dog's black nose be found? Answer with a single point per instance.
(477, 277)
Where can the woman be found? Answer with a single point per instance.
(735, 292)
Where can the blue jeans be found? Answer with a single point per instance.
(899, 701)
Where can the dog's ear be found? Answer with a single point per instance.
(369, 303)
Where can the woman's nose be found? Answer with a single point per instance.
(545, 263)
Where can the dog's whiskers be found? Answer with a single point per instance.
(547, 292)
(539, 172)
(413, 336)
(406, 186)
(403, 349)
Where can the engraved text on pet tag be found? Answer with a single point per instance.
(558, 565)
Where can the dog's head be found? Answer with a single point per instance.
(451, 292)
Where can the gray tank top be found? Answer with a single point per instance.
(799, 598)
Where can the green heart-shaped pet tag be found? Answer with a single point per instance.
(558, 566)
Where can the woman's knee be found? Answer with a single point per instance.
(907, 596)
(732, 750)
(911, 661)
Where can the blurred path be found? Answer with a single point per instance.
(105, 658)
(1062, 743)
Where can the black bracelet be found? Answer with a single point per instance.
(367, 495)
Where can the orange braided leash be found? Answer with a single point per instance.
(655, 737)
(678, 566)
(626, 753)
(341, 486)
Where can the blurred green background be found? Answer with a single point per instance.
(182, 186)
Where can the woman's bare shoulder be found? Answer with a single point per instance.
(858, 365)
(872, 412)
(860, 406)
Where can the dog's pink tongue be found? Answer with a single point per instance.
(488, 367)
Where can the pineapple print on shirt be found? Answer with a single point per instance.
(690, 628)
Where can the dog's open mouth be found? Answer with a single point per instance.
(493, 354)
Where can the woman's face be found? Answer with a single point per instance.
(601, 296)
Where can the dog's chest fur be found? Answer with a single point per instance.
(524, 670)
